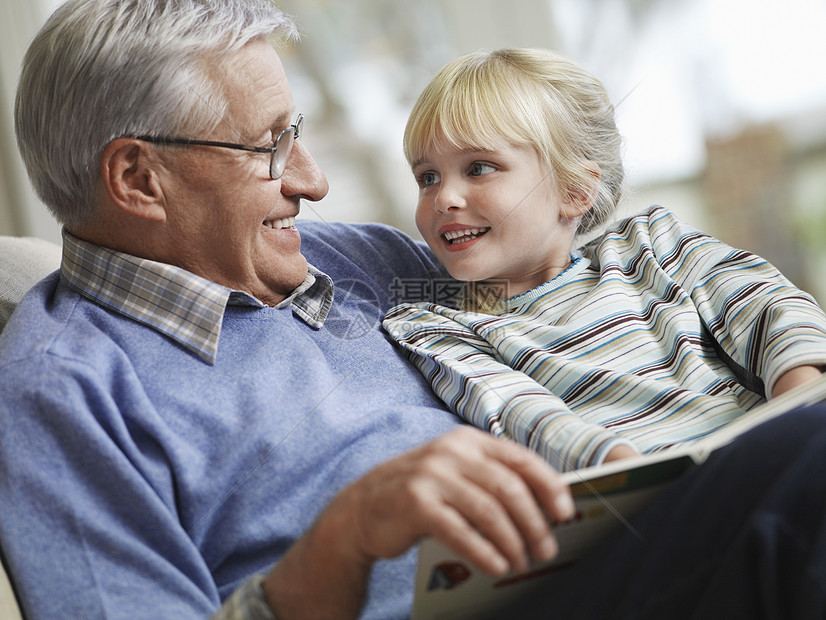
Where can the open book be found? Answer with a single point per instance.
(606, 496)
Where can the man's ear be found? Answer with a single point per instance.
(579, 200)
(130, 178)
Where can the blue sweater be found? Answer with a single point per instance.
(138, 481)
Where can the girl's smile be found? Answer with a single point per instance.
(458, 236)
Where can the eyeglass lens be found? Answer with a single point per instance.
(283, 147)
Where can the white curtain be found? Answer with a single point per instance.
(21, 213)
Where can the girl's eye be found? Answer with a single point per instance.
(479, 168)
(426, 179)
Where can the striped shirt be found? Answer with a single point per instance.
(185, 307)
(652, 337)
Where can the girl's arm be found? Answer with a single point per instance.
(762, 321)
(463, 371)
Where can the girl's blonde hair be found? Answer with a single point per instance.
(528, 97)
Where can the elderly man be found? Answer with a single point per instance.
(188, 419)
(193, 395)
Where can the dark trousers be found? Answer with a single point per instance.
(741, 536)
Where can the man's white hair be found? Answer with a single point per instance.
(102, 69)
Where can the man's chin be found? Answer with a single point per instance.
(288, 275)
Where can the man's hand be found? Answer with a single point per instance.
(485, 498)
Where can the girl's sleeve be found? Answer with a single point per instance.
(760, 322)
(463, 371)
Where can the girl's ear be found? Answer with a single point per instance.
(130, 178)
(579, 200)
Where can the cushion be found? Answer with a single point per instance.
(8, 604)
(23, 261)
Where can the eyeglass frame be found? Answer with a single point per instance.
(276, 166)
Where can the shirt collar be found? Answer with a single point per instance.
(186, 307)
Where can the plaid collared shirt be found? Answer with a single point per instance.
(187, 308)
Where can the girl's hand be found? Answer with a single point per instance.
(795, 377)
(621, 452)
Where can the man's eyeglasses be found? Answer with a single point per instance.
(279, 151)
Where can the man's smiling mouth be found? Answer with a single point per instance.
(463, 236)
(284, 222)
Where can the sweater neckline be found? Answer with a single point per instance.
(578, 264)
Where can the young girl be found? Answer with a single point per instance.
(653, 334)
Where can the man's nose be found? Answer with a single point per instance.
(302, 177)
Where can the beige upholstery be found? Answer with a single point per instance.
(8, 606)
(23, 261)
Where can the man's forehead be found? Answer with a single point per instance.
(257, 88)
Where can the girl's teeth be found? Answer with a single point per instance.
(461, 236)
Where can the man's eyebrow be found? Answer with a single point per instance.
(283, 120)
(274, 127)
